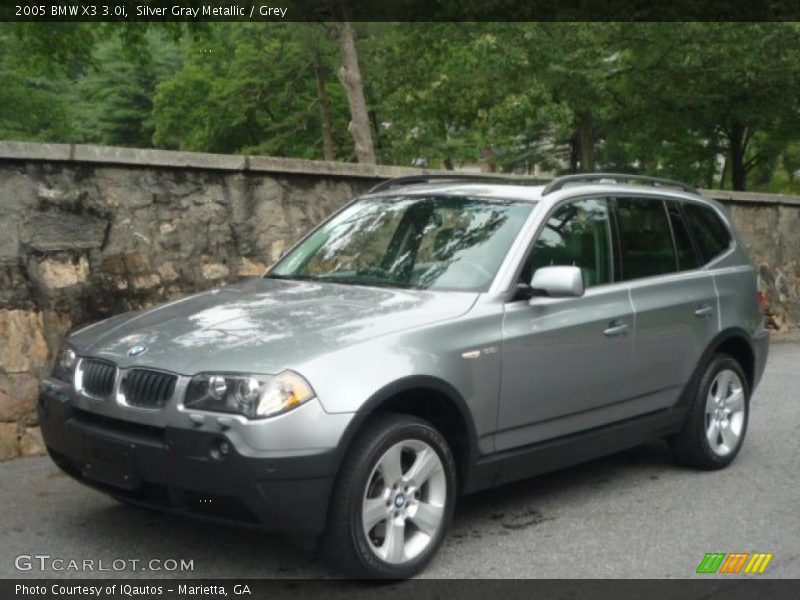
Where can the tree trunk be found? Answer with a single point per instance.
(350, 76)
(724, 174)
(710, 173)
(574, 153)
(737, 142)
(326, 120)
(586, 142)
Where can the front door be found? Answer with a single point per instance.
(566, 361)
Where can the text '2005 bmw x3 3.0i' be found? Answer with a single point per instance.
(432, 338)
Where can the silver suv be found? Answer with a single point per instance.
(435, 337)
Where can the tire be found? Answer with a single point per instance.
(714, 431)
(398, 479)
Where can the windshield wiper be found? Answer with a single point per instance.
(366, 281)
(290, 277)
(347, 280)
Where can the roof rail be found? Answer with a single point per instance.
(432, 177)
(560, 182)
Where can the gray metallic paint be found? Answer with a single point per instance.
(560, 372)
(525, 371)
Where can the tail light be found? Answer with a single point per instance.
(762, 301)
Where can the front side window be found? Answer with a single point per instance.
(415, 242)
(710, 233)
(645, 238)
(577, 234)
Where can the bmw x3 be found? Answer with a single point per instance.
(433, 338)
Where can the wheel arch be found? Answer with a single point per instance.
(734, 341)
(432, 399)
(737, 343)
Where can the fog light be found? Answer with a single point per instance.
(220, 449)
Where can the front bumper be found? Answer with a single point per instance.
(187, 471)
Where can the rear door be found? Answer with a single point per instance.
(674, 299)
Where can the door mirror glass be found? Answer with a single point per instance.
(558, 282)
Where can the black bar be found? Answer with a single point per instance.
(707, 588)
(397, 10)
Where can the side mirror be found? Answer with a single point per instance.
(558, 282)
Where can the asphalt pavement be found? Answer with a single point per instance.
(631, 515)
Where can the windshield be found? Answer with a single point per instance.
(415, 242)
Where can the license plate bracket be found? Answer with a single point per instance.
(110, 462)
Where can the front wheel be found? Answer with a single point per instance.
(717, 422)
(393, 501)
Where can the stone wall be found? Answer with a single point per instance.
(87, 232)
(769, 225)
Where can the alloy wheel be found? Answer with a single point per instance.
(404, 502)
(725, 412)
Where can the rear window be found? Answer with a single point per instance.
(645, 237)
(710, 233)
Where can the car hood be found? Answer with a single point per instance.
(263, 325)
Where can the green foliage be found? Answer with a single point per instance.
(33, 105)
(727, 88)
(115, 97)
(457, 92)
(716, 104)
(790, 160)
(248, 88)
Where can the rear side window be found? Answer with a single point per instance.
(687, 256)
(645, 238)
(710, 233)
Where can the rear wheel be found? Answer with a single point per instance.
(393, 501)
(717, 420)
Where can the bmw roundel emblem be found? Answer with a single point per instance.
(137, 350)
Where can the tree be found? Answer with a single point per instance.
(116, 93)
(733, 88)
(325, 114)
(580, 65)
(350, 77)
(473, 94)
(253, 88)
(709, 103)
(34, 102)
(790, 160)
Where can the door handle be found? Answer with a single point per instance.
(616, 329)
(703, 311)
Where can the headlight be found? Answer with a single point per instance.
(254, 396)
(65, 364)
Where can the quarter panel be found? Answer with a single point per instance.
(737, 289)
